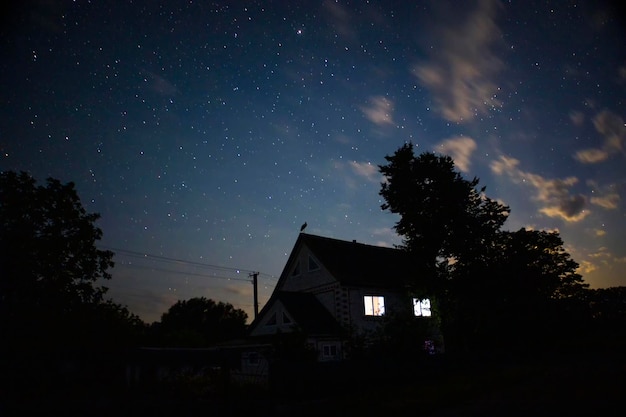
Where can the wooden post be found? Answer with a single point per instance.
(255, 284)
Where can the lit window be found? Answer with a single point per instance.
(421, 308)
(313, 266)
(374, 305)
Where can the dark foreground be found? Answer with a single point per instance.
(584, 384)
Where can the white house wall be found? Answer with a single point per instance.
(364, 324)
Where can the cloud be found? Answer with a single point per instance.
(613, 130)
(605, 197)
(571, 209)
(238, 290)
(366, 170)
(553, 194)
(379, 111)
(160, 85)
(591, 156)
(601, 253)
(504, 165)
(585, 267)
(462, 66)
(577, 117)
(341, 20)
(612, 127)
(609, 201)
(386, 237)
(460, 149)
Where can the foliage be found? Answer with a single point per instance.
(442, 215)
(48, 243)
(402, 337)
(48, 258)
(493, 288)
(200, 322)
(517, 294)
(112, 326)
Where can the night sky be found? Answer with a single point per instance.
(205, 133)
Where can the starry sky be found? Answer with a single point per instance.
(205, 133)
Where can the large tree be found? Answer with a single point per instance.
(50, 264)
(487, 283)
(443, 216)
(199, 322)
(524, 291)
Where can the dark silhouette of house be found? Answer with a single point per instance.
(331, 290)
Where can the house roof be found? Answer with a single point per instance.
(308, 313)
(350, 263)
(359, 264)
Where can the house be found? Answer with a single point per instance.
(331, 290)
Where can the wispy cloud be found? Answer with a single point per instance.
(586, 267)
(591, 156)
(460, 148)
(341, 20)
(385, 236)
(366, 170)
(160, 85)
(462, 66)
(606, 197)
(379, 111)
(609, 201)
(577, 118)
(613, 130)
(553, 194)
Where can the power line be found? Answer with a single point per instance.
(165, 258)
(161, 258)
(186, 273)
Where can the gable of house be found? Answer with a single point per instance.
(316, 261)
(300, 311)
(361, 265)
(329, 287)
(342, 275)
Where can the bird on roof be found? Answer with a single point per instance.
(303, 227)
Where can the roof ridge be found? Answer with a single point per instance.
(354, 241)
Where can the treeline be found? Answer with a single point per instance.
(51, 292)
(493, 290)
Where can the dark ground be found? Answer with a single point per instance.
(573, 384)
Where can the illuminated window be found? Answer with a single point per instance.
(421, 308)
(374, 305)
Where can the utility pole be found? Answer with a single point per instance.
(255, 285)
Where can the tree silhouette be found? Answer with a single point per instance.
(490, 287)
(518, 294)
(442, 215)
(200, 322)
(48, 258)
